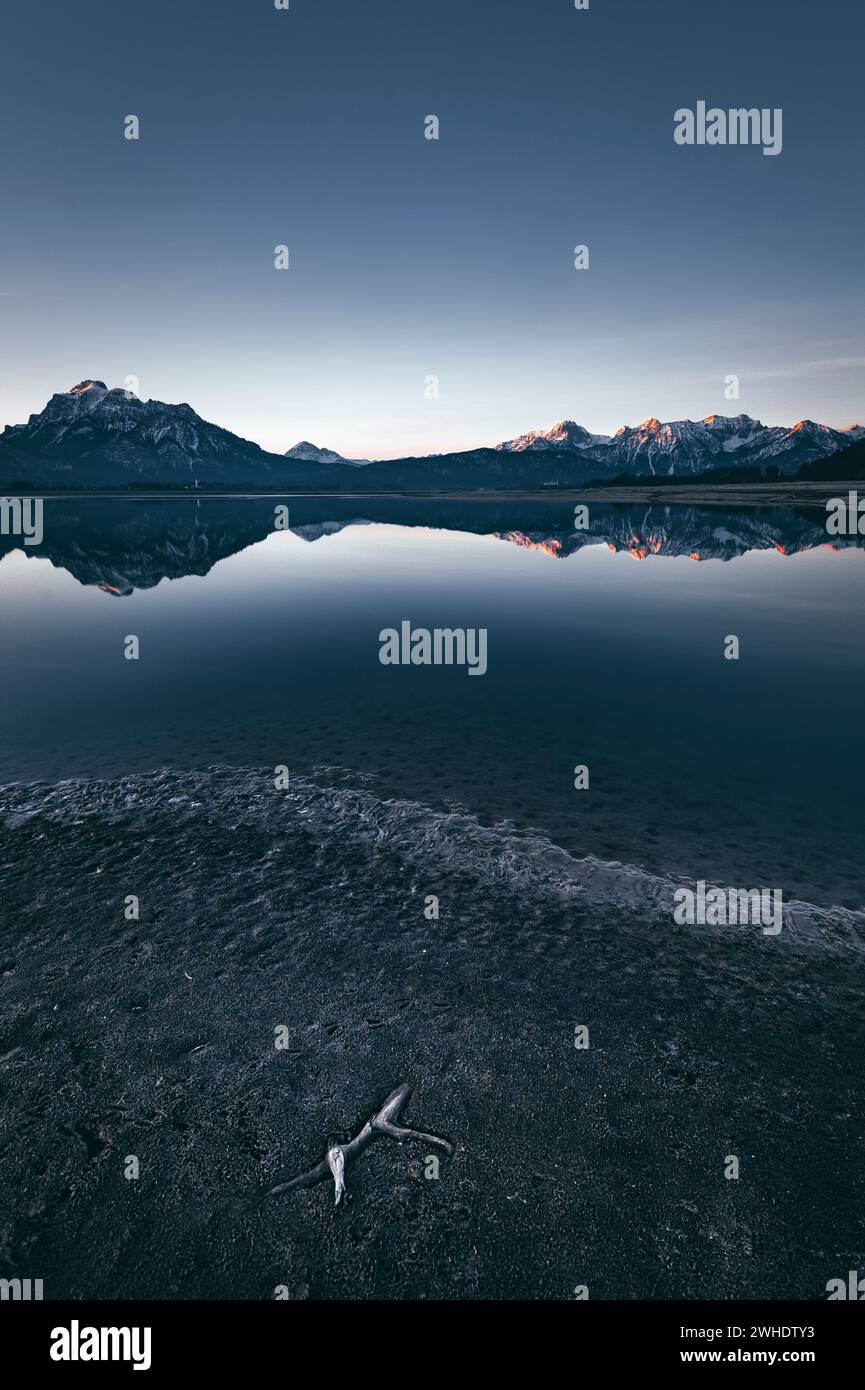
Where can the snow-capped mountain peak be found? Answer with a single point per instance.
(745, 426)
(566, 434)
(98, 388)
(311, 453)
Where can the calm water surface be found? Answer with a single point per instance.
(259, 648)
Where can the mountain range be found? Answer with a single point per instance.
(691, 446)
(93, 436)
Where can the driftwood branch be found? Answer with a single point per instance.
(380, 1126)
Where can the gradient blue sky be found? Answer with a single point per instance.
(411, 257)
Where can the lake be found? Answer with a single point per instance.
(424, 895)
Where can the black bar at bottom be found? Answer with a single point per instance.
(164, 1339)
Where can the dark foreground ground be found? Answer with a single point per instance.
(602, 1167)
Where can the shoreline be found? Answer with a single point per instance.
(753, 494)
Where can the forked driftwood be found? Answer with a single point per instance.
(338, 1156)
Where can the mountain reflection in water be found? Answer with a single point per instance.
(122, 545)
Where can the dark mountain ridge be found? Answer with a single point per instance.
(91, 437)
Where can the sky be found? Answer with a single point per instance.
(410, 258)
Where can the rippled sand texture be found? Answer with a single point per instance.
(305, 909)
